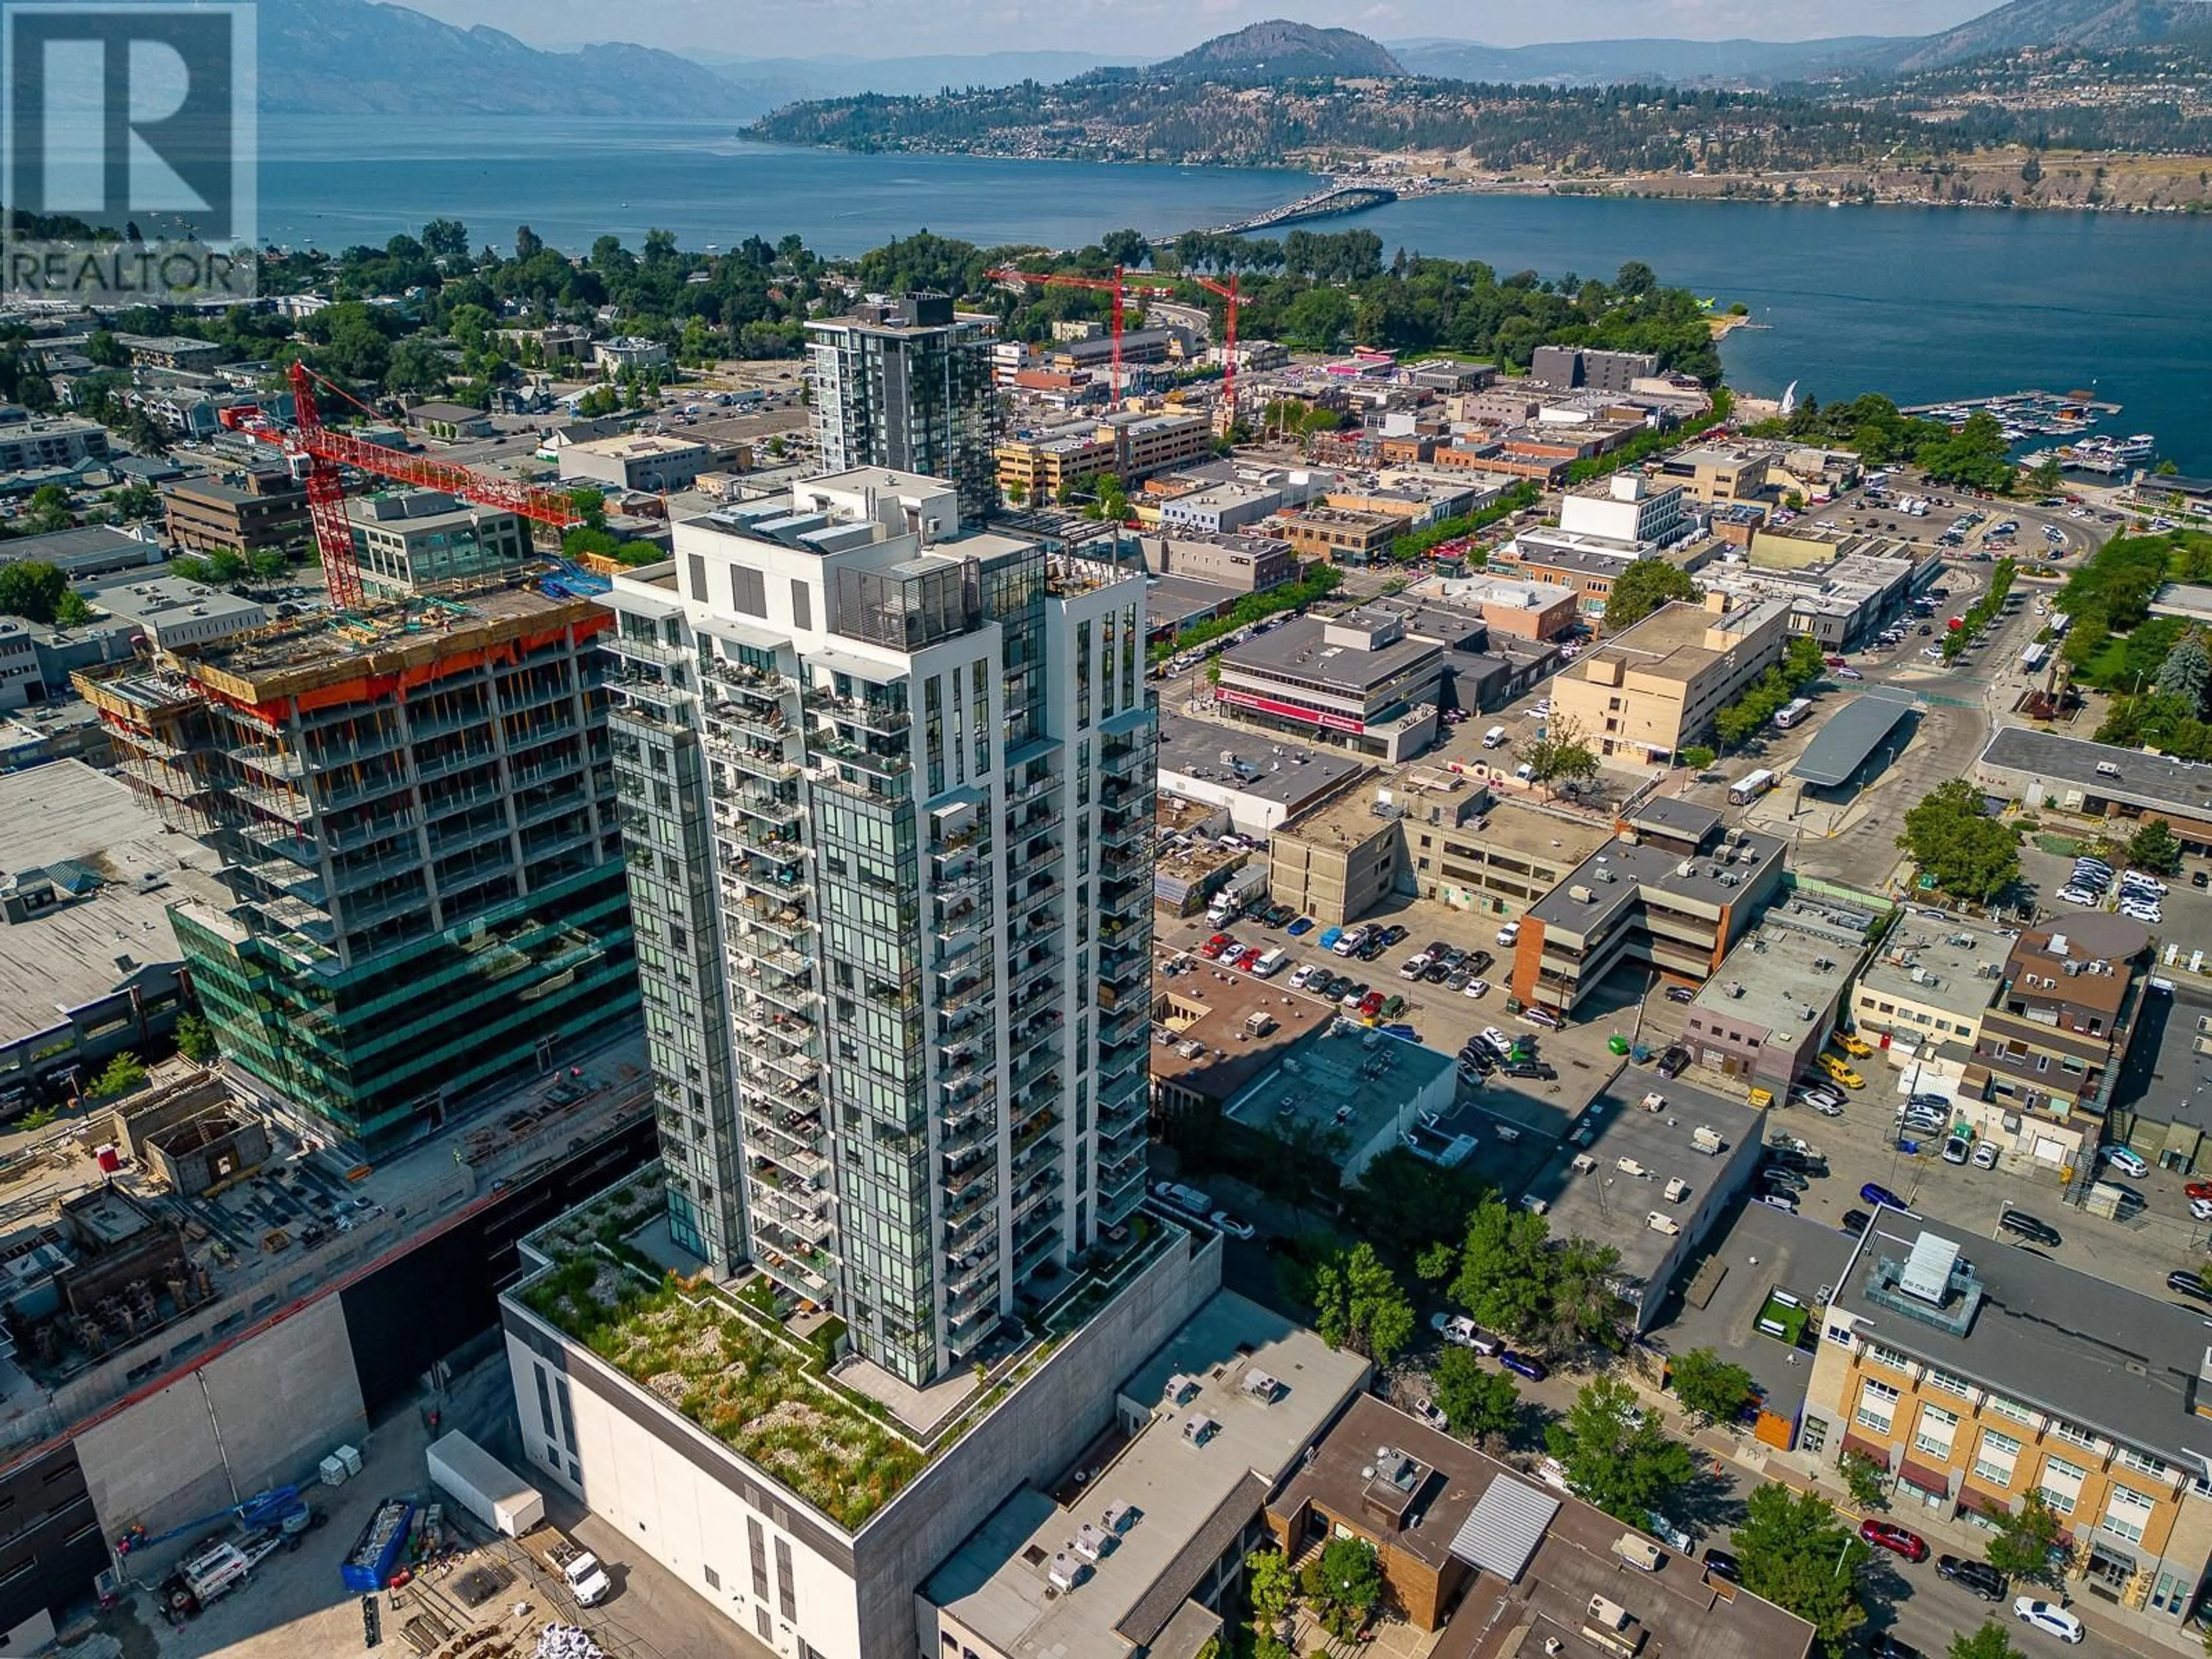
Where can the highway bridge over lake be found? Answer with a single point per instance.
(1324, 204)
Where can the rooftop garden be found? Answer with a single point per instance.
(758, 1392)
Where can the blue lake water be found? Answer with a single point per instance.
(1923, 304)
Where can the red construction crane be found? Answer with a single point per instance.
(1231, 305)
(1115, 285)
(317, 451)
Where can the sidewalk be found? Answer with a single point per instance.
(1744, 1460)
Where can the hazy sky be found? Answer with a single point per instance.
(1151, 28)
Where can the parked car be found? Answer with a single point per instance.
(1674, 1061)
(1523, 1365)
(2198, 1189)
(2048, 1617)
(1855, 1222)
(1535, 1069)
(1543, 1017)
(1774, 1201)
(1235, 1227)
(1393, 934)
(1785, 1180)
(2189, 1285)
(1888, 1647)
(1719, 1564)
(1880, 1197)
(1976, 1577)
(2019, 1221)
(1898, 1540)
(1985, 1155)
(1413, 966)
(1510, 933)
(1302, 926)
(1213, 947)
(1826, 1107)
(1425, 1409)
(1681, 994)
(2125, 1160)
(1476, 989)
(1957, 1149)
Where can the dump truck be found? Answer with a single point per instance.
(484, 1487)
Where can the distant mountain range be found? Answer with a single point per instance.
(355, 58)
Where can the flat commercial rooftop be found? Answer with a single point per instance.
(2123, 1365)
(1775, 974)
(1723, 1288)
(1613, 1204)
(1295, 654)
(1290, 773)
(1167, 1490)
(1951, 959)
(1849, 736)
(2143, 779)
(83, 950)
(1201, 1037)
(1703, 880)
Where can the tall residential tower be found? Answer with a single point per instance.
(887, 794)
(904, 384)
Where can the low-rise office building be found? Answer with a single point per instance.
(2102, 781)
(1499, 863)
(90, 550)
(2052, 1044)
(1973, 1383)
(1346, 536)
(1768, 1007)
(41, 441)
(1528, 610)
(640, 460)
(1568, 366)
(1249, 563)
(1843, 590)
(1927, 988)
(1365, 1091)
(408, 540)
(1628, 509)
(1340, 859)
(1633, 901)
(1361, 679)
(1720, 474)
(176, 615)
(1649, 690)
(206, 515)
(172, 351)
(1133, 1559)
(1261, 786)
(1647, 1166)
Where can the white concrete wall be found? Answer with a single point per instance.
(261, 1414)
(660, 1500)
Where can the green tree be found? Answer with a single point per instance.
(2155, 847)
(1709, 1385)
(1561, 756)
(1584, 1305)
(1642, 588)
(104, 349)
(2187, 673)
(1697, 757)
(1344, 1585)
(1615, 1456)
(1953, 838)
(2023, 1545)
(72, 611)
(48, 509)
(30, 589)
(123, 1074)
(1408, 1205)
(1865, 1480)
(1437, 1263)
(196, 1039)
(1359, 1304)
(1504, 1277)
(1272, 1586)
(1796, 1552)
(1991, 1641)
(1477, 1403)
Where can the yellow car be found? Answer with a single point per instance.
(1850, 1045)
(1840, 1073)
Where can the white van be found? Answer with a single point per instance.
(1494, 737)
(1271, 963)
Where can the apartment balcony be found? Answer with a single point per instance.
(286, 841)
(764, 876)
(971, 1202)
(1038, 857)
(1125, 835)
(744, 677)
(631, 648)
(743, 720)
(470, 715)
(751, 759)
(1034, 823)
(365, 832)
(764, 841)
(956, 853)
(787, 922)
(809, 1168)
(1033, 1202)
(547, 767)
(798, 1265)
(877, 762)
(1124, 969)
(368, 913)
(763, 805)
(792, 996)
(811, 1226)
(869, 713)
(1119, 1197)
(282, 763)
(977, 1309)
(1027, 904)
(289, 805)
(971, 1270)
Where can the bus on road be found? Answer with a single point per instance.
(1750, 788)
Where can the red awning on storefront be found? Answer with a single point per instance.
(1867, 1449)
(1937, 1483)
(1972, 1498)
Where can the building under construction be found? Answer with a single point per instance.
(415, 806)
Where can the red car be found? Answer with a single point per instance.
(1371, 1004)
(1213, 948)
(1834, 662)
(1886, 1534)
(2199, 1190)
(1251, 954)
